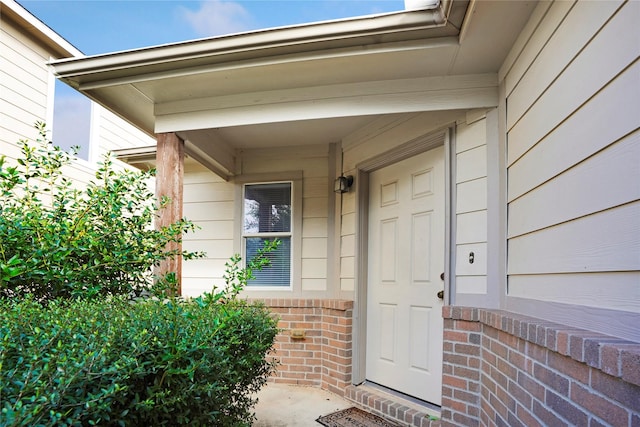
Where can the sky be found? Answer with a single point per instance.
(102, 26)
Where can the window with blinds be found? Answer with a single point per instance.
(267, 216)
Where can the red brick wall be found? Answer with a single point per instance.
(502, 369)
(323, 357)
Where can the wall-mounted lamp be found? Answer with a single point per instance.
(342, 184)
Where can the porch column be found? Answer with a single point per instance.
(169, 183)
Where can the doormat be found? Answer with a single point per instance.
(354, 417)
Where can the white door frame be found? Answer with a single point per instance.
(363, 169)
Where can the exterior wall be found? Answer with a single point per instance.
(372, 142)
(471, 205)
(571, 86)
(113, 133)
(216, 206)
(209, 203)
(504, 369)
(27, 91)
(321, 358)
(313, 162)
(24, 85)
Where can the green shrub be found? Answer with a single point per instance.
(115, 362)
(75, 349)
(59, 241)
(157, 361)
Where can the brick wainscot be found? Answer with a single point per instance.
(502, 369)
(499, 368)
(321, 355)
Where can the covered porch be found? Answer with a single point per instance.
(306, 105)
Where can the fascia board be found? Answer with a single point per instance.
(31, 24)
(135, 153)
(350, 106)
(412, 45)
(327, 92)
(254, 44)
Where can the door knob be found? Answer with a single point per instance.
(440, 294)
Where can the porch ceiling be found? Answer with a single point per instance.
(305, 84)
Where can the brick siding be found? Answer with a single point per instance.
(502, 369)
(391, 407)
(323, 357)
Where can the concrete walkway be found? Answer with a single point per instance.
(282, 405)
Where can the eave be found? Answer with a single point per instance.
(305, 84)
(115, 80)
(269, 43)
(58, 46)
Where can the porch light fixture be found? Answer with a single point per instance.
(342, 184)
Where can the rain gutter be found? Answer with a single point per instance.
(344, 33)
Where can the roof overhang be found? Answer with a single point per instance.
(328, 75)
(267, 45)
(57, 45)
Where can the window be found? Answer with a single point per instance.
(268, 215)
(71, 120)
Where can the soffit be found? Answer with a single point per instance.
(377, 48)
(398, 46)
(410, 60)
(493, 27)
(179, 58)
(137, 85)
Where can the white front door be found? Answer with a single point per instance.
(406, 258)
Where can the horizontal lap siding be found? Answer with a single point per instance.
(211, 203)
(25, 88)
(114, 133)
(24, 84)
(471, 207)
(347, 238)
(574, 158)
(313, 161)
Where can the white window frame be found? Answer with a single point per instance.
(269, 235)
(94, 120)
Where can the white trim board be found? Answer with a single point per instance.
(610, 322)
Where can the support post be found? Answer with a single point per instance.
(169, 183)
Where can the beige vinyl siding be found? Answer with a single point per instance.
(613, 49)
(315, 206)
(348, 240)
(471, 207)
(26, 92)
(211, 203)
(114, 133)
(313, 162)
(573, 143)
(24, 85)
(372, 141)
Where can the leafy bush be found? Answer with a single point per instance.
(59, 241)
(91, 355)
(115, 362)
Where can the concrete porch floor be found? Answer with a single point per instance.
(284, 405)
